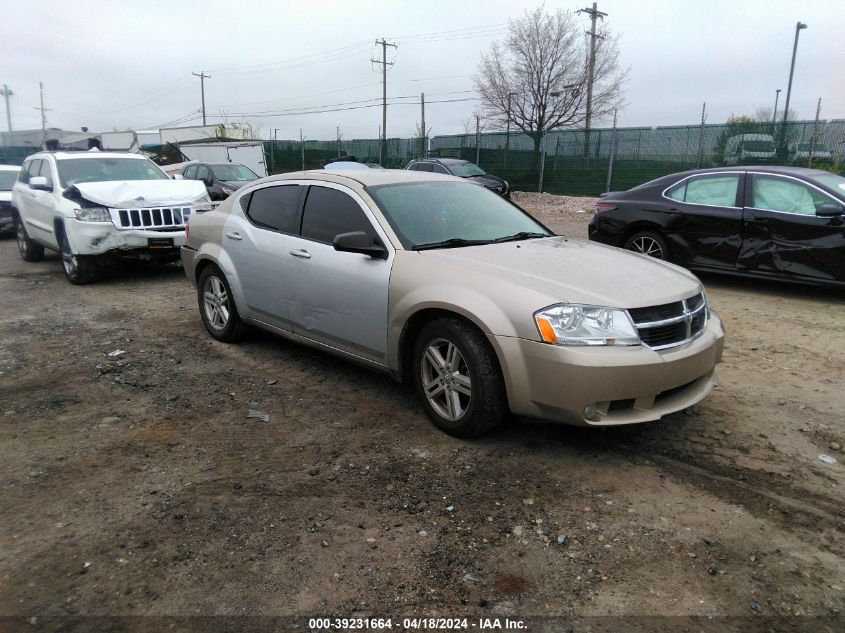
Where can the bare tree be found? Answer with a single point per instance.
(537, 78)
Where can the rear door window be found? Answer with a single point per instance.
(329, 212)
(275, 207)
(717, 190)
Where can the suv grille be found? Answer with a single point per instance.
(160, 219)
(670, 324)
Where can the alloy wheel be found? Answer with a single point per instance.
(69, 260)
(20, 235)
(445, 379)
(215, 303)
(647, 246)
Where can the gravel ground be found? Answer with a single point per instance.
(133, 483)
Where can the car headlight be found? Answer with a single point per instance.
(573, 324)
(226, 191)
(93, 214)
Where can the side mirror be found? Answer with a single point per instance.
(829, 210)
(177, 177)
(359, 242)
(40, 183)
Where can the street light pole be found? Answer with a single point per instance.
(775, 111)
(798, 27)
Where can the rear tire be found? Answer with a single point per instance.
(648, 243)
(458, 379)
(217, 306)
(79, 269)
(30, 251)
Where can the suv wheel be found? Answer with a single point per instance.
(30, 251)
(217, 306)
(458, 380)
(79, 269)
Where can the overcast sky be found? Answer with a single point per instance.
(127, 65)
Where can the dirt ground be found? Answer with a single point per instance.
(134, 484)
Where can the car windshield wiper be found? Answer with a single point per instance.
(522, 235)
(455, 242)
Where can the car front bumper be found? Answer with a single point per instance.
(99, 238)
(626, 385)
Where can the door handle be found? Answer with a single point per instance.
(302, 253)
(234, 236)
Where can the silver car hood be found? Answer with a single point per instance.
(136, 194)
(575, 271)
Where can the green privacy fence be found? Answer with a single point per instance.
(575, 162)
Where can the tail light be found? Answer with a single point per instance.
(601, 207)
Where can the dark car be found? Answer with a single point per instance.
(463, 169)
(775, 222)
(221, 179)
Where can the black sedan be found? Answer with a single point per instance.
(462, 169)
(774, 222)
(221, 179)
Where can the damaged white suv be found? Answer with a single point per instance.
(97, 207)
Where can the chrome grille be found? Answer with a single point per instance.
(156, 219)
(671, 324)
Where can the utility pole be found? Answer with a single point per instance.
(43, 116)
(202, 77)
(798, 27)
(384, 64)
(594, 14)
(424, 144)
(8, 93)
(775, 111)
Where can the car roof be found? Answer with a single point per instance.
(88, 154)
(366, 177)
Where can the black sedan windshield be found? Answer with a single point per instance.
(465, 170)
(450, 214)
(234, 172)
(73, 171)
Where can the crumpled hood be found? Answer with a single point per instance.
(575, 271)
(137, 194)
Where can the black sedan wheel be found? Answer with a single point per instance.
(648, 243)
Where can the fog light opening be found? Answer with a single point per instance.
(590, 411)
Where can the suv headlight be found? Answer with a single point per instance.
(573, 324)
(93, 214)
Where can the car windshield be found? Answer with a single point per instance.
(7, 179)
(427, 214)
(831, 181)
(758, 146)
(234, 172)
(78, 170)
(465, 170)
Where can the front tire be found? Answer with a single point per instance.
(79, 269)
(30, 251)
(648, 243)
(458, 379)
(217, 306)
